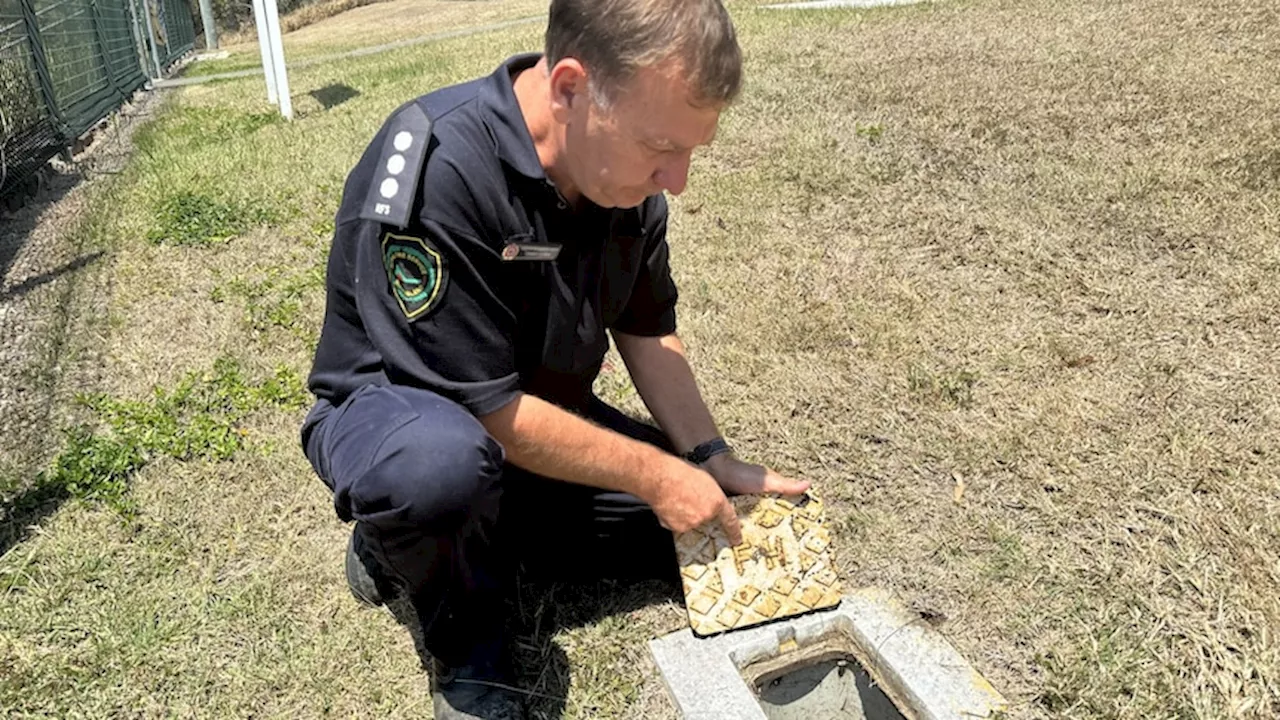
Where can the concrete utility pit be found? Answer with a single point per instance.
(825, 684)
(867, 659)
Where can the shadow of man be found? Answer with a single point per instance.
(535, 613)
(544, 609)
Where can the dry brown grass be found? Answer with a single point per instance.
(1033, 245)
(335, 25)
(1026, 244)
(300, 18)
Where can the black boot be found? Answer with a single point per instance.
(474, 692)
(480, 689)
(368, 583)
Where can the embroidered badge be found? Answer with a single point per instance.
(416, 272)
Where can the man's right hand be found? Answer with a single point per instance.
(686, 497)
(555, 443)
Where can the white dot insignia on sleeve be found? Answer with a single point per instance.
(403, 140)
(395, 164)
(389, 188)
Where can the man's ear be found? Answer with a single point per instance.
(569, 88)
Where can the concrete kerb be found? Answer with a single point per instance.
(917, 666)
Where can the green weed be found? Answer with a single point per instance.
(1007, 559)
(871, 131)
(1097, 678)
(199, 419)
(949, 387)
(191, 128)
(275, 301)
(188, 218)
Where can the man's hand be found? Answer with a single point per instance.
(741, 478)
(687, 497)
(553, 442)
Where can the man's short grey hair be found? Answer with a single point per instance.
(615, 38)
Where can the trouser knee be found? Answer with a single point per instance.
(405, 459)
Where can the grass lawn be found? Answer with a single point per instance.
(1026, 246)
(382, 22)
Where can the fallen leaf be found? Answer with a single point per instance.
(957, 493)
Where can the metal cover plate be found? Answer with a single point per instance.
(783, 567)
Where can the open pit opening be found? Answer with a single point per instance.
(826, 681)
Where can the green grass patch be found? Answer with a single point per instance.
(190, 218)
(1122, 660)
(196, 176)
(194, 127)
(275, 300)
(200, 418)
(951, 387)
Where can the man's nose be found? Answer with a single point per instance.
(673, 175)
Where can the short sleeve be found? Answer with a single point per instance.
(651, 309)
(426, 299)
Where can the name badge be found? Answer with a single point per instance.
(530, 251)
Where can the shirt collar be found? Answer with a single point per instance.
(506, 121)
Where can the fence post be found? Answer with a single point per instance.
(101, 42)
(42, 68)
(151, 37)
(277, 59)
(140, 44)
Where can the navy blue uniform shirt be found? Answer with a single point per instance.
(452, 296)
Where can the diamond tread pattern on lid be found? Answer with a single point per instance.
(783, 567)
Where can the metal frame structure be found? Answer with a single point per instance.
(66, 64)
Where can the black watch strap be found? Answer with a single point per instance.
(707, 450)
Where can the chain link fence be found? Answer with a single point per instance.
(66, 64)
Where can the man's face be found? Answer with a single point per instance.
(640, 144)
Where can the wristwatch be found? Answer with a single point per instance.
(708, 450)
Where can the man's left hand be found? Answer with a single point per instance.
(742, 478)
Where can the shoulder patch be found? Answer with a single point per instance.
(395, 179)
(416, 273)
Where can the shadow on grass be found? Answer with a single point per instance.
(26, 510)
(35, 281)
(24, 209)
(543, 609)
(537, 612)
(331, 95)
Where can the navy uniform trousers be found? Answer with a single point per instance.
(448, 520)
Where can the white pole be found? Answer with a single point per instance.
(264, 48)
(277, 59)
